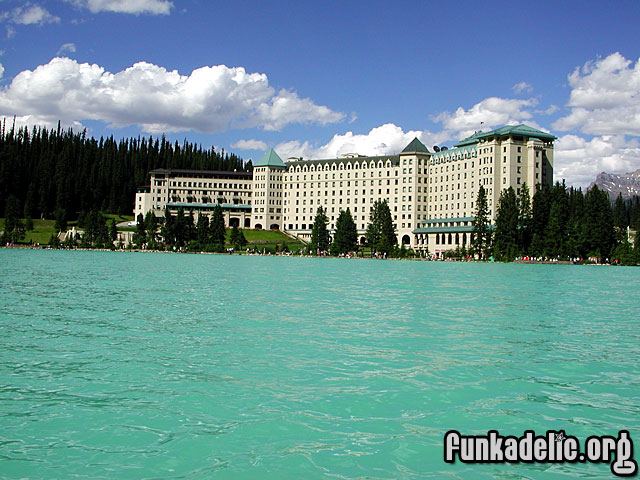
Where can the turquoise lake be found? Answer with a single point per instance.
(147, 365)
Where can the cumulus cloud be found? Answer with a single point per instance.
(522, 87)
(32, 15)
(490, 113)
(579, 160)
(210, 99)
(383, 140)
(250, 145)
(67, 48)
(136, 7)
(1, 70)
(605, 98)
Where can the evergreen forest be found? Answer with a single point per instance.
(56, 169)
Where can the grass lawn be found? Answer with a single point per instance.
(268, 239)
(119, 218)
(41, 233)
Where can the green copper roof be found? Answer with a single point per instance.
(470, 140)
(522, 129)
(269, 159)
(415, 146)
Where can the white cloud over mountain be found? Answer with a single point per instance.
(210, 99)
(579, 160)
(605, 98)
(136, 7)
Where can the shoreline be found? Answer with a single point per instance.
(355, 257)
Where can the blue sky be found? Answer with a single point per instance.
(325, 78)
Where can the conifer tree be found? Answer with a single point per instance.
(319, 232)
(14, 229)
(345, 238)
(238, 239)
(168, 228)
(381, 235)
(113, 230)
(598, 222)
(539, 219)
(217, 229)
(140, 236)
(481, 233)
(202, 230)
(151, 227)
(524, 220)
(555, 235)
(506, 234)
(620, 219)
(61, 219)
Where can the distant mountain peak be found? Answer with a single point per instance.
(627, 184)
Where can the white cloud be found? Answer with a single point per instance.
(578, 160)
(32, 15)
(522, 87)
(210, 99)
(605, 98)
(1, 70)
(136, 7)
(67, 48)
(250, 145)
(490, 113)
(383, 140)
(11, 32)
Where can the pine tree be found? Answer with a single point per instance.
(168, 228)
(151, 227)
(14, 229)
(381, 235)
(202, 230)
(620, 219)
(217, 229)
(556, 232)
(481, 233)
(113, 230)
(539, 219)
(598, 221)
(506, 233)
(319, 232)
(238, 239)
(524, 220)
(345, 238)
(140, 236)
(61, 219)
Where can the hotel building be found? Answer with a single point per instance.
(430, 193)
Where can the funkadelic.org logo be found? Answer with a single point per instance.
(554, 447)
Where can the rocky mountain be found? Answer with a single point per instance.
(628, 184)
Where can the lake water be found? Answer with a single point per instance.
(144, 365)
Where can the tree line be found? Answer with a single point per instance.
(380, 234)
(182, 231)
(561, 223)
(55, 169)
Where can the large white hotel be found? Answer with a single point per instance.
(430, 193)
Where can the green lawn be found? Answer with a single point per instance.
(119, 218)
(41, 233)
(260, 239)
